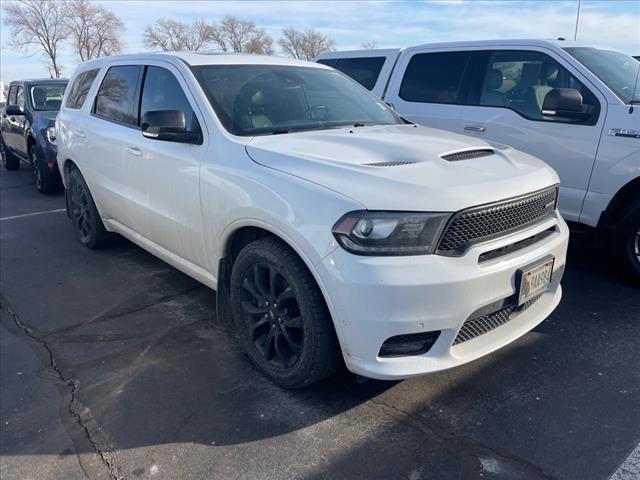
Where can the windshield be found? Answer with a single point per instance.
(617, 71)
(47, 97)
(271, 99)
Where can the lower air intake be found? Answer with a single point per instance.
(410, 344)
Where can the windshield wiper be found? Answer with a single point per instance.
(359, 124)
(281, 131)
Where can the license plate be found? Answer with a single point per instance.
(535, 280)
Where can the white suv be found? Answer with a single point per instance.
(325, 222)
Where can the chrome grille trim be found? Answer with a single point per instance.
(486, 222)
(474, 327)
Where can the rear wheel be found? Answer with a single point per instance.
(45, 181)
(84, 214)
(282, 320)
(627, 242)
(9, 160)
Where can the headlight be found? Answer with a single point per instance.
(390, 233)
(51, 135)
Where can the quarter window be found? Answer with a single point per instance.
(116, 98)
(520, 80)
(12, 95)
(364, 70)
(162, 91)
(434, 77)
(80, 88)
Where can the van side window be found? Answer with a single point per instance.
(364, 70)
(520, 80)
(116, 98)
(80, 88)
(434, 77)
(162, 91)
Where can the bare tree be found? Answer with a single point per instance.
(236, 35)
(172, 35)
(95, 31)
(369, 45)
(305, 45)
(41, 24)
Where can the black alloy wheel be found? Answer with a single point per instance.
(9, 160)
(275, 323)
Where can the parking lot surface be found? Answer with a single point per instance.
(115, 366)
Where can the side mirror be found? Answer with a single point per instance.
(14, 110)
(168, 125)
(565, 103)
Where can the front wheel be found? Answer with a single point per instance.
(627, 244)
(84, 214)
(45, 181)
(282, 321)
(9, 160)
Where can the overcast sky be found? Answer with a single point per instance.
(613, 23)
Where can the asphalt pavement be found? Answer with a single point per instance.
(114, 365)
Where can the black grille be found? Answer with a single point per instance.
(408, 344)
(467, 154)
(494, 220)
(475, 327)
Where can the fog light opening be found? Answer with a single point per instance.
(408, 345)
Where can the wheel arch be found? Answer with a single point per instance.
(624, 198)
(245, 232)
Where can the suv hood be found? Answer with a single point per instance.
(410, 173)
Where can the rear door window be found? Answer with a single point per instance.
(364, 70)
(434, 77)
(80, 88)
(116, 98)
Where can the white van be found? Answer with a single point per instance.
(569, 104)
(330, 224)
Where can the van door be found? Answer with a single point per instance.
(506, 91)
(426, 86)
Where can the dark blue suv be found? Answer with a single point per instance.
(27, 131)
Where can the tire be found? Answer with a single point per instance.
(82, 210)
(627, 242)
(45, 182)
(292, 341)
(9, 160)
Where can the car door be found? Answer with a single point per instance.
(13, 125)
(506, 90)
(7, 121)
(426, 84)
(162, 177)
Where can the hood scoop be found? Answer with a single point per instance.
(467, 154)
(390, 164)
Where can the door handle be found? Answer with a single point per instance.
(475, 128)
(81, 134)
(134, 151)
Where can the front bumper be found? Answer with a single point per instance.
(375, 298)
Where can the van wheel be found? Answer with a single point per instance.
(627, 242)
(282, 321)
(45, 181)
(9, 160)
(84, 215)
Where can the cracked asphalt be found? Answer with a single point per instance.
(113, 365)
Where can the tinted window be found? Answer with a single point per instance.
(20, 97)
(331, 62)
(80, 88)
(434, 77)
(116, 97)
(520, 80)
(363, 70)
(267, 99)
(47, 97)
(162, 91)
(12, 95)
